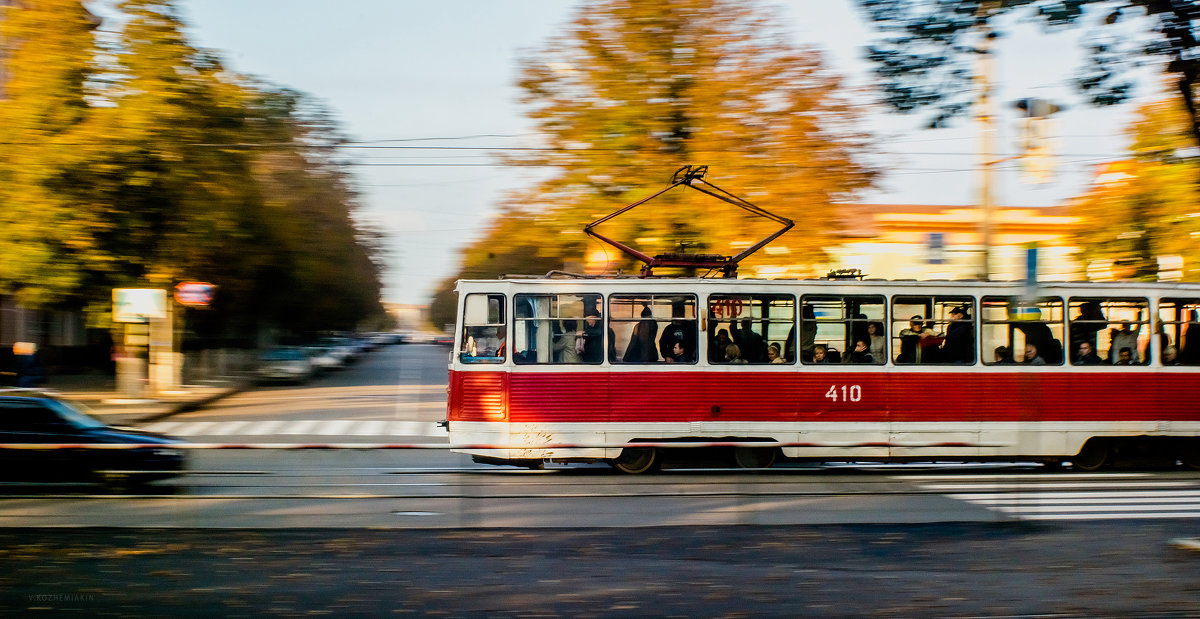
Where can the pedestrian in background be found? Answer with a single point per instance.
(28, 365)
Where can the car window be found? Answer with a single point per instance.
(29, 417)
(73, 416)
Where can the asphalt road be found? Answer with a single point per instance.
(1110, 569)
(369, 531)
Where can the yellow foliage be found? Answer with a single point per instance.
(633, 90)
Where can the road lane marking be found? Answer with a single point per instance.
(334, 427)
(1101, 499)
(1111, 516)
(1062, 485)
(1079, 496)
(229, 428)
(1029, 476)
(264, 427)
(369, 428)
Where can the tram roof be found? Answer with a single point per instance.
(698, 283)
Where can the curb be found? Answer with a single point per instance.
(186, 407)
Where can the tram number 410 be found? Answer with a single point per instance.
(844, 393)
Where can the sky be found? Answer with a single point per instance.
(421, 74)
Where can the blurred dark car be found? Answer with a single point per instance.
(38, 418)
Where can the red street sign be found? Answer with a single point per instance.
(195, 294)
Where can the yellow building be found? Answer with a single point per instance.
(914, 241)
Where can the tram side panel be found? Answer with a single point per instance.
(891, 413)
(839, 415)
(559, 408)
(478, 411)
(933, 414)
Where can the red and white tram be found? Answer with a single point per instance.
(618, 370)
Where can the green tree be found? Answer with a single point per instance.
(1145, 207)
(635, 89)
(926, 59)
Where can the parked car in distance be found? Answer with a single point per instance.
(290, 364)
(418, 337)
(342, 349)
(323, 358)
(39, 419)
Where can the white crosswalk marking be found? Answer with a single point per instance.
(1093, 497)
(369, 428)
(299, 427)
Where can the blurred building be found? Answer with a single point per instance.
(409, 317)
(62, 338)
(915, 241)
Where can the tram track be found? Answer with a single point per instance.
(483, 484)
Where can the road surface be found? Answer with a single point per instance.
(360, 531)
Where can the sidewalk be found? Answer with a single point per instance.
(99, 393)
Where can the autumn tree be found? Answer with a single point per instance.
(634, 89)
(1145, 207)
(926, 59)
(175, 168)
(47, 49)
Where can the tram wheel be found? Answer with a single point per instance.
(754, 457)
(636, 460)
(1092, 457)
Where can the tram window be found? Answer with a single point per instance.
(832, 325)
(933, 329)
(753, 323)
(484, 329)
(557, 328)
(1102, 327)
(645, 328)
(1179, 327)
(1019, 331)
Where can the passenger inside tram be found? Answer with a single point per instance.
(959, 345)
(860, 353)
(1087, 324)
(677, 354)
(916, 342)
(751, 343)
(878, 341)
(1123, 338)
(682, 332)
(717, 346)
(1086, 354)
(568, 345)
(1032, 357)
(1038, 334)
(1189, 351)
(641, 347)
